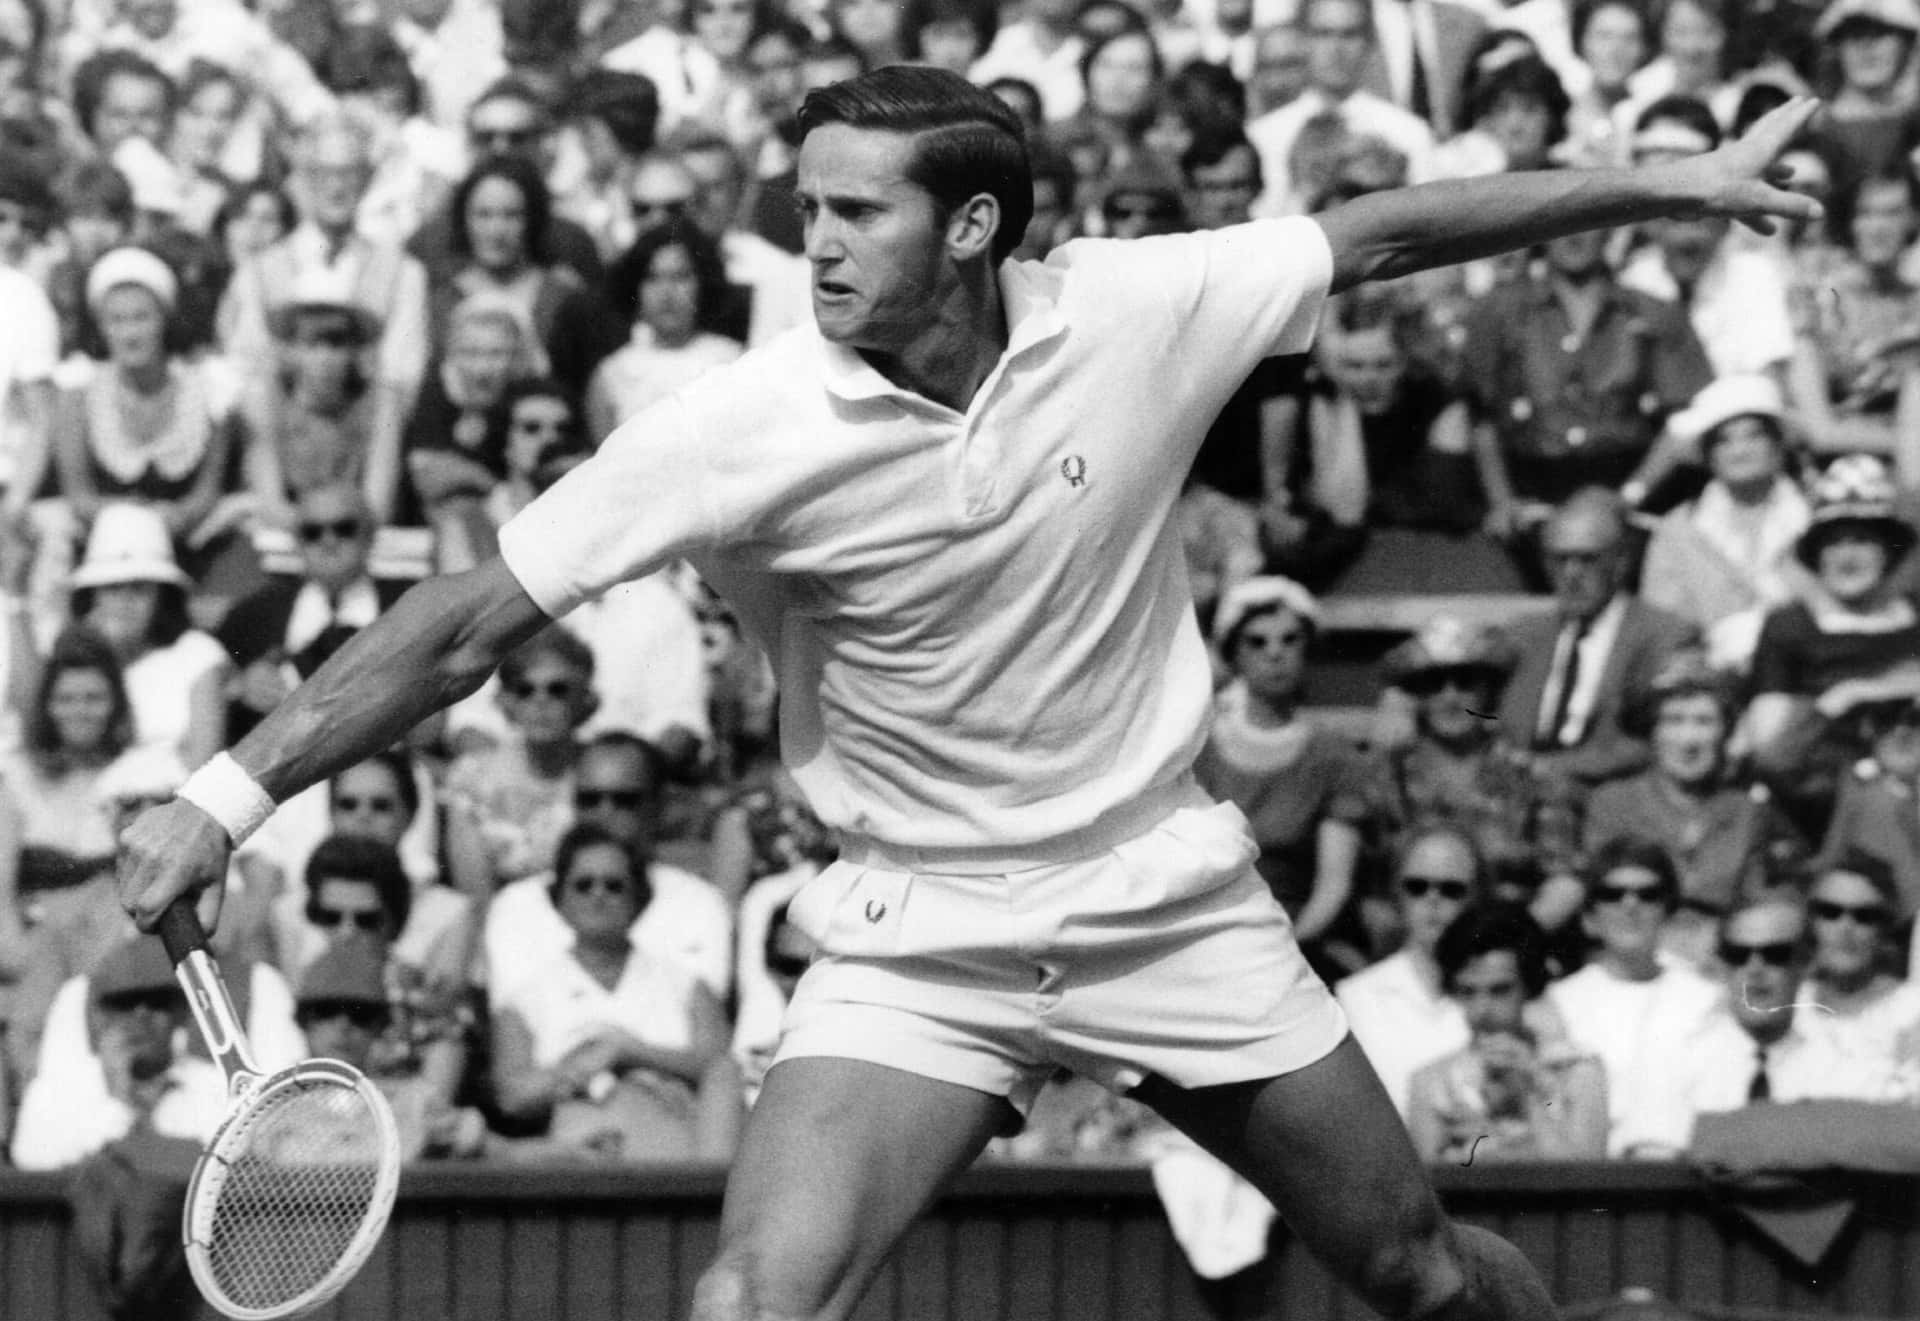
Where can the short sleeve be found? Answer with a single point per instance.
(1777, 656)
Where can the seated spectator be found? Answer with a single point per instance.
(680, 282)
(501, 215)
(146, 425)
(1509, 1094)
(95, 216)
(1756, 1047)
(1692, 38)
(1718, 832)
(283, 632)
(124, 1071)
(1458, 767)
(619, 787)
(1859, 328)
(213, 100)
(416, 162)
(543, 423)
(317, 422)
(1584, 663)
(344, 1010)
(1867, 1010)
(508, 802)
(358, 894)
(1300, 786)
(1870, 125)
(1631, 985)
(1397, 1009)
(1515, 115)
(1875, 812)
(1857, 626)
(1612, 39)
(606, 1043)
(1725, 558)
(1571, 376)
(130, 590)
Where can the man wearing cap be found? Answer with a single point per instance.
(1571, 377)
(1870, 124)
(1340, 45)
(128, 1072)
(333, 168)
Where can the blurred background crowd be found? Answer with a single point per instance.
(301, 300)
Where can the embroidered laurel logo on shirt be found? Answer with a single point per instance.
(1074, 469)
(875, 910)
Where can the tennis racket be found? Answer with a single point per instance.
(293, 1190)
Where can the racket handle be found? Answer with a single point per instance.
(180, 930)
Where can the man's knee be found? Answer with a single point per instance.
(1415, 1270)
(745, 1285)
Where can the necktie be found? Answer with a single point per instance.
(1419, 95)
(1558, 698)
(1761, 1088)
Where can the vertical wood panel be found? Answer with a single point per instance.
(482, 1265)
(1033, 1263)
(591, 1279)
(646, 1265)
(921, 1288)
(422, 1240)
(536, 1264)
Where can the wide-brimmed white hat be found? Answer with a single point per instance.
(1258, 594)
(129, 544)
(1902, 15)
(1724, 400)
(135, 266)
(324, 289)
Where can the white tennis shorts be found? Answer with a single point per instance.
(1155, 950)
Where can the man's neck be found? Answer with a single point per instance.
(949, 360)
(1638, 966)
(1836, 990)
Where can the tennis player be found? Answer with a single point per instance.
(947, 512)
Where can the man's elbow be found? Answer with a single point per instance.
(479, 616)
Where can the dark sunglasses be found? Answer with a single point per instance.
(1867, 915)
(1428, 683)
(157, 1000)
(673, 206)
(331, 339)
(560, 690)
(1121, 211)
(584, 885)
(362, 919)
(346, 529)
(349, 803)
(1775, 954)
(513, 137)
(1270, 641)
(1419, 887)
(629, 799)
(366, 1017)
(1607, 893)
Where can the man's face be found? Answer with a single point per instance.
(1223, 192)
(346, 908)
(1491, 994)
(1579, 256)
(718, 185)
(1687, 738)
(773, 65)
(1138, 215)
(1882, 223)
(1582, 551)
(335, 531)
(1435, 883)
(507, 126)
(333, 176)
(1339, 41)
(1872, 55)
(342, 1030)
(1368, 366)
(1763, 952)
(1279, 68)
(723, 26)
(1625, 913)
(659, 191)
(130, 106)
(1850, 919)
(876, 241)
(364, 800)
(613, 790)
(1454, 702)
(1688, 246)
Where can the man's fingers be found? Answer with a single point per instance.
(1783, 123)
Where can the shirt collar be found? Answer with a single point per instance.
(1030, 293)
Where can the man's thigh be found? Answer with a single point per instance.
(838, 1158)
(1328, 1149)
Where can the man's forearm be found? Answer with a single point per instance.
(1385, 235)
(437, 644)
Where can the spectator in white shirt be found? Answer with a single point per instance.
(1040, 48)
(1866, 1011)
(1612, 1006)
(29, 336)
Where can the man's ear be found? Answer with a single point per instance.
(972, 227)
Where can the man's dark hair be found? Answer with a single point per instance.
(357, 858)
(523, 175)
(1211, 145)
(967, 141)
(981, 15)
(397, 764)
(1689, 111)
(1529, 77)
(1642, 854)
(584, 835)
(91, 78)
(77, 649)
(1488, 928)
(629, 271)
(627, 103)
(364, 58)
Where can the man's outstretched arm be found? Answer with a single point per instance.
(437, 644)
(1384, 235)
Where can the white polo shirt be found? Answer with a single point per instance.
(980, 622)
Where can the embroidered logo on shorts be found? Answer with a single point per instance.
(1074, 469)
(875, 910)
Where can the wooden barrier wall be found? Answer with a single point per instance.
(1055, 1243)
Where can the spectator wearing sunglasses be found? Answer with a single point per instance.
(1756, 1047)
(1513, 1093)
(1866, 1009)
(1630, 984)
(1397, 1009)
(359, 894)
(1874, 813)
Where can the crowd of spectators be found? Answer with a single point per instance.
(304, 298)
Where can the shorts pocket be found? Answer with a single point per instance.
(853, 910)
(1193, 852)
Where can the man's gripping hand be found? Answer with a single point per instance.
(1741, 180)
(172, 850)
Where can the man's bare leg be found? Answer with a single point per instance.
(1328, 1149)
(838, 1158)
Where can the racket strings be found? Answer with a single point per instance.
(297, 1179)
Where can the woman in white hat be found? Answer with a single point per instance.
(1302, 788)
(1725, 558)
(146, 425)
(130, 588)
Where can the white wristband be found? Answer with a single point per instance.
(230, 796)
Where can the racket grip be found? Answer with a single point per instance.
(180, 930)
